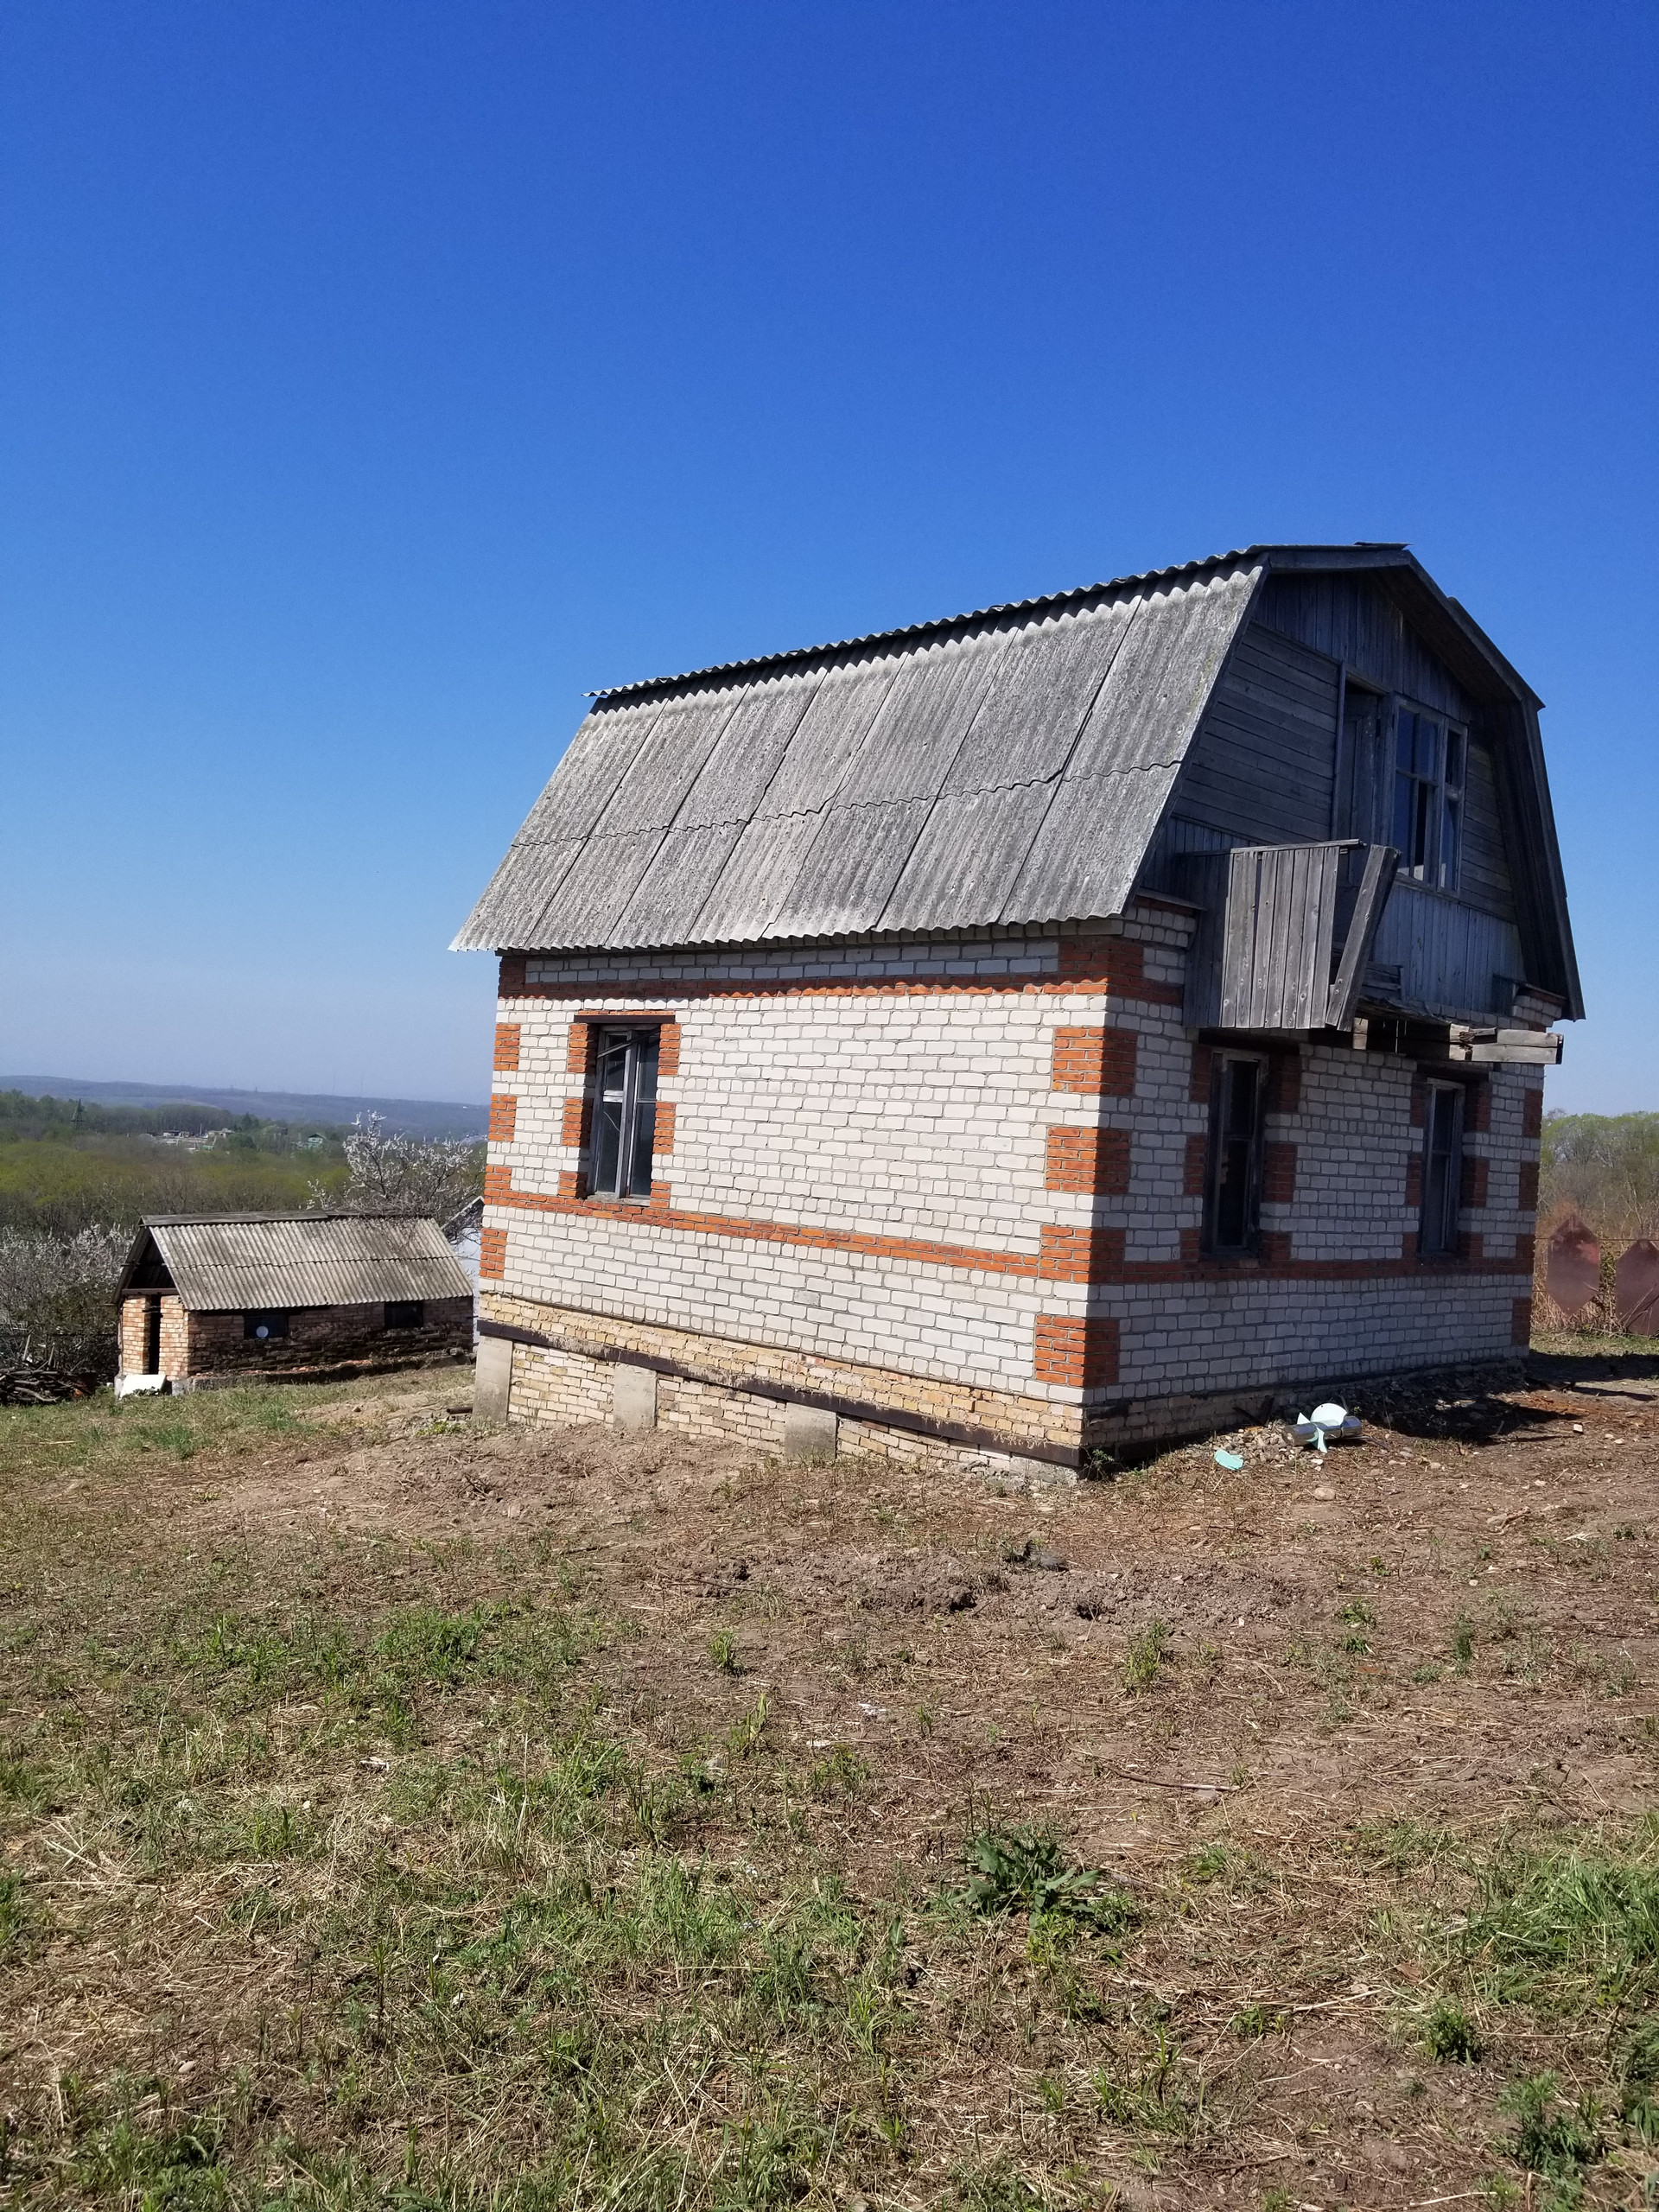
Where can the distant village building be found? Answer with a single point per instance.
(1067, 1024)
(289, 1294)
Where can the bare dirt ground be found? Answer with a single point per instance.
(1364, 1745)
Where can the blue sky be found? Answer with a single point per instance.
(375, 380)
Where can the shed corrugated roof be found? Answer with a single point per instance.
(243, 1262)
(1008, 766)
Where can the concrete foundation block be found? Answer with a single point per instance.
(809, 1433)
(493, 1379)
(634, 1407)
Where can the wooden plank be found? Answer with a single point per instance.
(1375, 886)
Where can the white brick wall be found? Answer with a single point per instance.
(923, 1114)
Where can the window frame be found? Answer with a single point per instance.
(274, 1320)
(1216, 1156)
(1439, 1239)
(627, 1177)
(1437, 868)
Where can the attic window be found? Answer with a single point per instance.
(260, 1327)
(624, 1112)
(1429, 763)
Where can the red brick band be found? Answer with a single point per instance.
(1093, 1256)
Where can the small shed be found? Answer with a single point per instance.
(290, 1294)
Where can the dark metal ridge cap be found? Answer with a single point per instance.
(940, 625)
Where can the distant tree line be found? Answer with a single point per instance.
(72, 1193)
(1604, 1168)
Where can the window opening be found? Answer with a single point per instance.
(1428, 769)
(624, 1112)
(1442, 1169)
(152, 1336)
(1232, 1183)
(261, 1326)
(405, 1314)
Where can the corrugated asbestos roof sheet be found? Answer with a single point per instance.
(1007, 767)
(236, 1262)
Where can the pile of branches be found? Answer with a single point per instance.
(41, 1386)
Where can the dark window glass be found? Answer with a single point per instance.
(1232, 1181)
(1442, 1169)
(261, 1326)
(1427, 824)
(405, 1314)
(624, 1112)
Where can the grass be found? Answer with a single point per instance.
(354, 1869)
(1147, 1655)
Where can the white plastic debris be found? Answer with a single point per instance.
(1327, 1419)
(133, 1386)
(1231, 1461)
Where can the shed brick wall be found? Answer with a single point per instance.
(213, 1344)
(973, 1167)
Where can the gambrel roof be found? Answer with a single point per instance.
(1007, 767)
(237, 1262)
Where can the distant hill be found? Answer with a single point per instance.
(423, 1117)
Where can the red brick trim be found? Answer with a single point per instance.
(1091, 1254)
(572, 1129)
(504, 1114)
(1094, 1061)
(1203, 1070)
(1477, 1108)
(492, 1253)
(1284, 1083)
(1415, 1180)
(507, 1047)
(662, 1138)
(1093, 1162)
(1058, 1260)
(1526, 1252)
(1196, 1166)
(1420, 1102)
(1081, 1355)
(1279, 1174)
(1532, 1112)
(1118, 963)
(573, 1184)
(1472, 1180)
(668, 1049)
(1520, 1321)
(1528, 1194)
(511, 983)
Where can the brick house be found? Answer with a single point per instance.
(1059, 1025)
(288, 1293)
